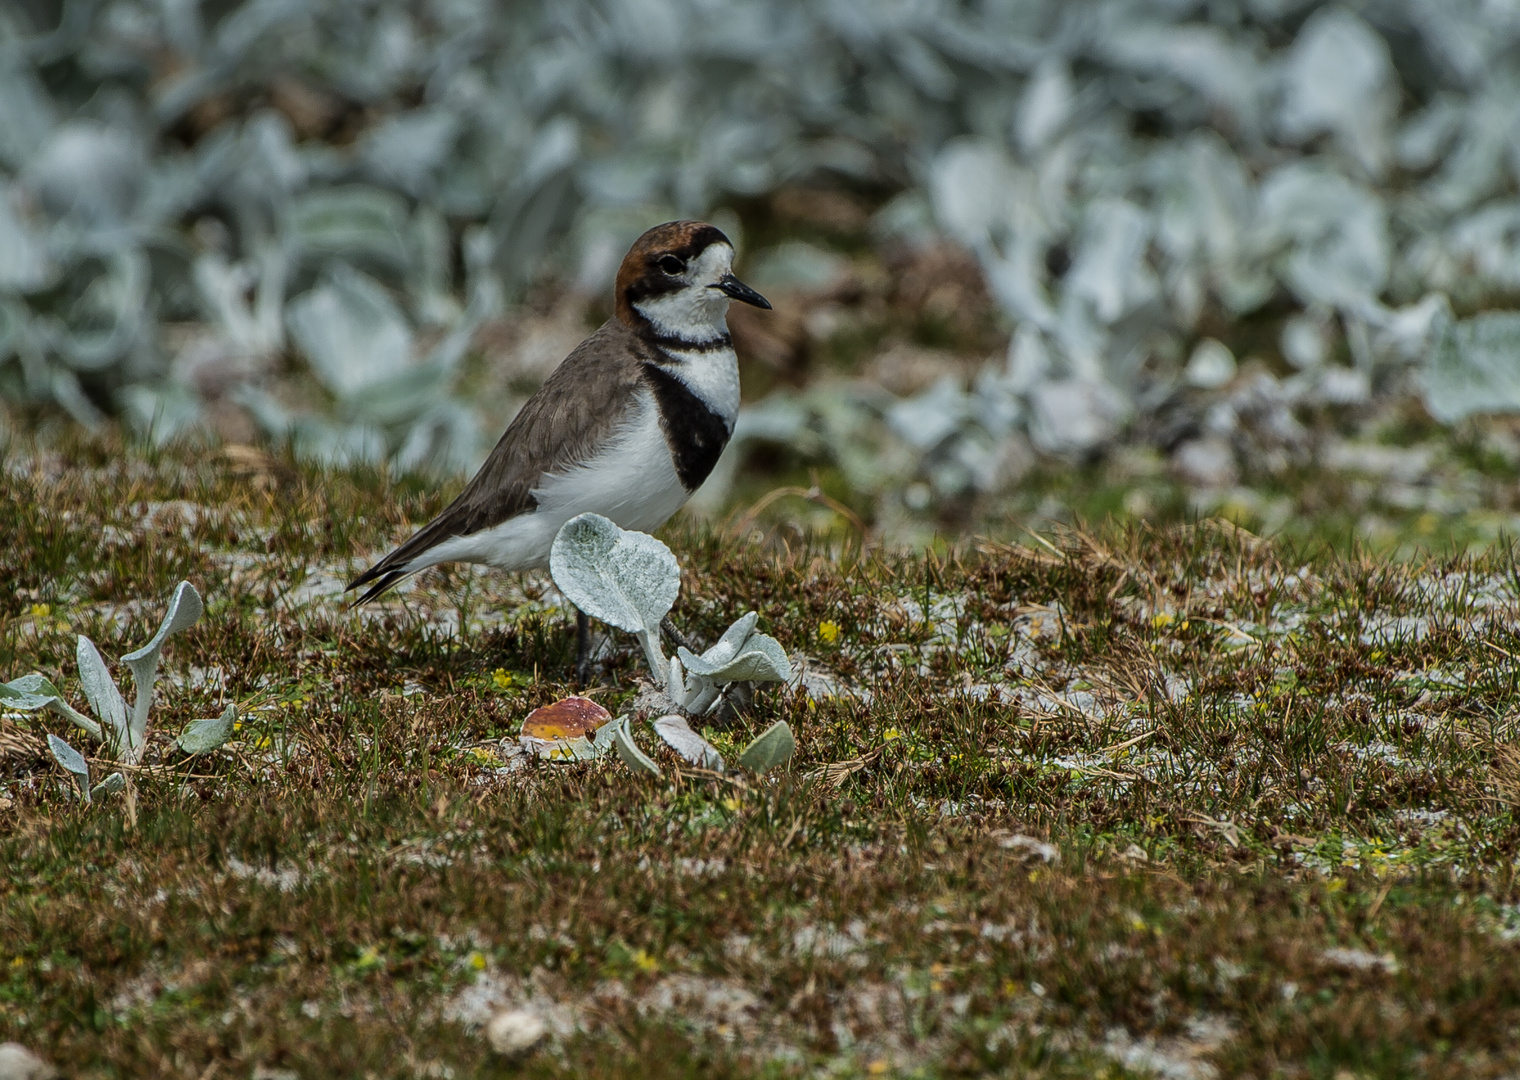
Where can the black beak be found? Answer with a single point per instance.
(733, 287)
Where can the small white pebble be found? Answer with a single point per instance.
(19, 1063)
(514, 1030)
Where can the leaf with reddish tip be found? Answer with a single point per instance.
(566, 729)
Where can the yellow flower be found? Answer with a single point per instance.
(644, 962)
(1162, 619)
(484, 755)
(369, 957)
(890, 734)
(731, 804)
(828, 630)
(477, 961)
(41, 611)
(501, 678)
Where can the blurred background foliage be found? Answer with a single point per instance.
(1030, 258)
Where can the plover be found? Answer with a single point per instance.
(628, 426)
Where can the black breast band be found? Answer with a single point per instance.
(695, 433)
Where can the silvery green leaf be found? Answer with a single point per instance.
(27, 113)
(1488, 238)
(762, 659)
(1046, 105)
(626, 579)
(629, 750)
(31, 691)
(679, 737)
(204, 736)
(605, 738)
(1340, 79)
(73, 762)
(405, 150)
(185, 609)
(1110, 268)
(443, 442)
(25, 264)
(928, 419)
(354, 222)
(89, 169)
(969, 186)
(771, 748)
(351, 331)
(109, 786)
(101, 692)
(675, 682)
(725, 648)
(1336, 232)
(1071, 416)
(1473, 369)
(36, 692)
(163, 413)
(1202, 57)
(105, 322)
(701, 695)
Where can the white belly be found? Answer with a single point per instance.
(633, 482)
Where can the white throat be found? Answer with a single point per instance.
(693, 313)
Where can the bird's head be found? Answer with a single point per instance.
(677, 280)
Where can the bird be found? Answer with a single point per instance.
(628, 425)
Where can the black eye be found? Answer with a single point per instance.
(671, 265)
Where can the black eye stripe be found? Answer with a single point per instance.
(654, 285)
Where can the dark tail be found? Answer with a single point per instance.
(392, 568)
(386, 580)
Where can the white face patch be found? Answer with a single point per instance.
(695, 312)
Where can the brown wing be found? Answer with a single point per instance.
(565, 422)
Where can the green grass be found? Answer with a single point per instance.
(1248, 756)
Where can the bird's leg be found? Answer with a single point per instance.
(582, 648)
(676, 636)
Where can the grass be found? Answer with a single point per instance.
(1278, 785)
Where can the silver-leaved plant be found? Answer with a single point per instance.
(630, 580)
(123, 732)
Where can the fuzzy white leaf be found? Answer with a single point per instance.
(1340, 78)
(771, 748)
(109, 786)
(34, 691)
(29, 692)
(626, 579)
(351, 331)
(68, 757)
(629, 751)
(675, 682)
(204, 736)
(73, 762)
(679, 737)
(1473, 370)
(101, 692)
(762, 659)
(185, 609)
